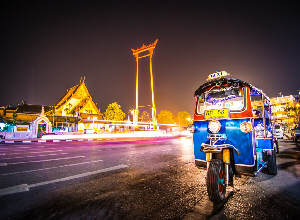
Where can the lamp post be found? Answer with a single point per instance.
(297, 112)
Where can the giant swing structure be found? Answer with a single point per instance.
(136, 52)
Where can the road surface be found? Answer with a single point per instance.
(149, 178)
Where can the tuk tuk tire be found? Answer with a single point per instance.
(272, 166)
(216, 192)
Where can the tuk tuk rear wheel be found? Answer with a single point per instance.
(272, 166)
(216, 187)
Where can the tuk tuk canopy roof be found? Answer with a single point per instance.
(226, 80)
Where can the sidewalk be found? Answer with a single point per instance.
(288, 135)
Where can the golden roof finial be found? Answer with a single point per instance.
(43, 111)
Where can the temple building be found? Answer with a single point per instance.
(76, 100)
(75, 111)
(76, 106)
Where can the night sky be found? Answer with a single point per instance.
(47, 47)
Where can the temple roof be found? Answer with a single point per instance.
(78, 99)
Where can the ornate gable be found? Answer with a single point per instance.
(90, 107)
(81, 92)
(76, 100)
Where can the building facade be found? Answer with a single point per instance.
(279, 115)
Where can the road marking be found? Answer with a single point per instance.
(42, 155)
(36, 152)
(3, 164)
(99, 139)
(90, 139)
(25, 187)
(5, 148)
(14, 189)
(42, 141)
(37, 161)
(80, 140)
(56, 140)
(49, 168)
(68, 140)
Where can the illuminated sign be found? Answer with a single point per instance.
(22, 129)
(217, 75)
(216, 113)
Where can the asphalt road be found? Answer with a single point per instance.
(151, 178)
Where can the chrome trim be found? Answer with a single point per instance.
(212, 148)
(264, 164)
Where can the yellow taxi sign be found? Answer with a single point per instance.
(216, 113)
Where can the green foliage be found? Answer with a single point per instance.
(114, 112)
(165, 117)
(145, 117)
(293, 113)
(14, 118)
(4, 128)
(182, 119)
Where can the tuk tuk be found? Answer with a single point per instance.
(230, 137)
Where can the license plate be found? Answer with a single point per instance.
(220, 113)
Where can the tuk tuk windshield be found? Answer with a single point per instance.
(229, 97)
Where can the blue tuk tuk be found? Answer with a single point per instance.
(230, 137)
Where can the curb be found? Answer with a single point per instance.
(40, 141)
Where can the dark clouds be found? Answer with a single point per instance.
(47, 47)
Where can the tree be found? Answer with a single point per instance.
(14, 117)
(67, 110)
(114, 112)
(165, 117)
(52, 109)
(293, 112)
(182, 119)
(145, 117)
